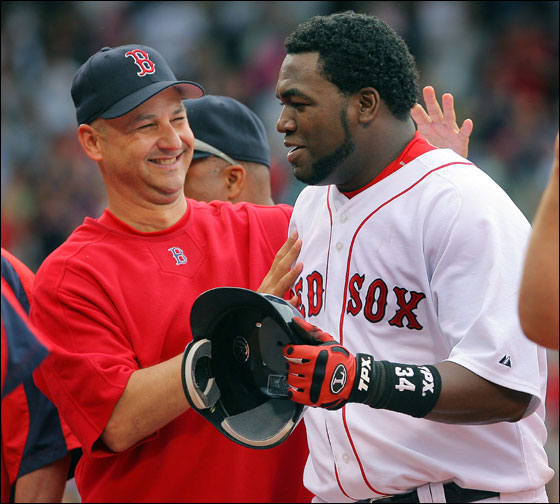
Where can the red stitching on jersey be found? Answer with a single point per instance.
(334, 465)
(356, 454)
(346, 291)
(362, 224)
(328, 250)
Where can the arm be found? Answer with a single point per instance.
(441, 129)
(445, 392)
(154, 396)
(45, 484)
(466, 398)
(538, 297)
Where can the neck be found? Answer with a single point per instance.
(379, 150)
(148, 217)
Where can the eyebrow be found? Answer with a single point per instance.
(292, 92)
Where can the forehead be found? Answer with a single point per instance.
(300, 72)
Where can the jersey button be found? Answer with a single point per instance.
(339, 246)
(344, 218)
(346, 458)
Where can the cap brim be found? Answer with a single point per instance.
(187, 89)
(200, 154)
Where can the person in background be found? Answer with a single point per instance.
(231, 160)
(38, 450)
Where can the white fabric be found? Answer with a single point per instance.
(452, 235)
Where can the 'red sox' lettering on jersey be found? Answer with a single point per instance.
(375, 306)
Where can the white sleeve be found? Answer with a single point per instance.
(475, 283)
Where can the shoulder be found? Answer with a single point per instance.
(240, 213)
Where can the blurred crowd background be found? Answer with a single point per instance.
(499, 59)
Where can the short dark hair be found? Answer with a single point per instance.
(360, 50)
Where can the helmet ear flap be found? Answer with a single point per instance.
(234, 373)
(203, 391)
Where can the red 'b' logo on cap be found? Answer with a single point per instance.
(146, 65)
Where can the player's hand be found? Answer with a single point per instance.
(440, 128)
(282, 274)
(321, 373)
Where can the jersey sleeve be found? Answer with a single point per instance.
(25, 349)
(476, 270)
(91, 359)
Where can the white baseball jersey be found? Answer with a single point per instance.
(423, 266)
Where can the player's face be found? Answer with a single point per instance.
(314, 122)
(146, 153)
(205, 179)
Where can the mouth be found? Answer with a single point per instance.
(294, 153)
(166, 161)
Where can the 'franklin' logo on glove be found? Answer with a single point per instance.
(338, 379)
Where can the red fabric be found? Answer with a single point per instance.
(114, 300)
(416, 147)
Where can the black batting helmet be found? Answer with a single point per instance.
(234, 373)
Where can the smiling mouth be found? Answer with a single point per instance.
(166, 161)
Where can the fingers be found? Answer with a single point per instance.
(466, 128)
(288, 279)
(281, 274)
(432, 105)
(419, 115)
(305, 330)
(287, 247)
(449, 117)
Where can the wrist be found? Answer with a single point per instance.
(405, 388)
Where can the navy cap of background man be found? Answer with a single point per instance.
(229, 127)
(116, 80)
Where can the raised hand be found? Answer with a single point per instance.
(282, 274)
(440, 128)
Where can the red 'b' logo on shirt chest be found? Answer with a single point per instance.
(146, 65)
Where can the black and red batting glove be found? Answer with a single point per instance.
(322, 373)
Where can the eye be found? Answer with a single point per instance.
(177, 119)
(145, 126)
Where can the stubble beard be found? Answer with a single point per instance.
(322, 168)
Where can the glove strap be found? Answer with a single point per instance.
(406, 388)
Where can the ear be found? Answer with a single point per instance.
(89, 140)
(235, 178)
(368, 102)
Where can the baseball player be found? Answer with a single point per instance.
(231, 160)
(420, 382)
(36, 444)
(115, 300)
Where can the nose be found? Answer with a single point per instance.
(285, 123)
(172, 138)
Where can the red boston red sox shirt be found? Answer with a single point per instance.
(114, 300)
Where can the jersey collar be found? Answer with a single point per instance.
(416, 147)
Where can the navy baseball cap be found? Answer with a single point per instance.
(228, 126)
(116, 80)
